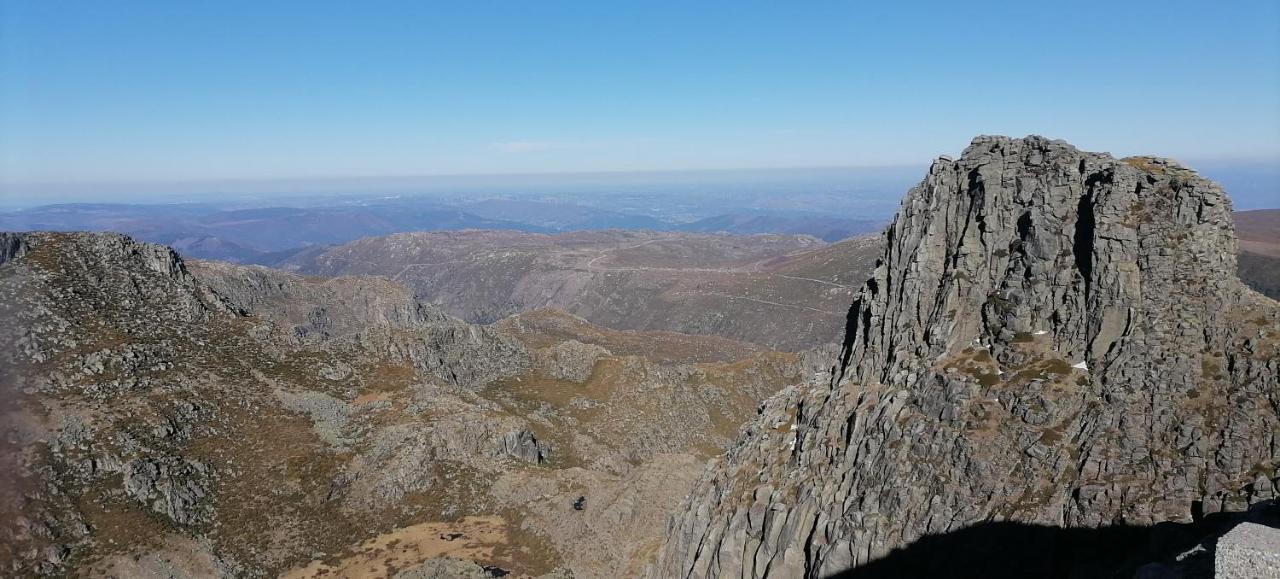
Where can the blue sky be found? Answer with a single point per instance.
(124, 91)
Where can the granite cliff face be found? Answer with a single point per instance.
(1052, 338)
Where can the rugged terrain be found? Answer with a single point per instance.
(1052, 356)
(781, 291)
(223, 420)
(1259, 265)
(1052, 371)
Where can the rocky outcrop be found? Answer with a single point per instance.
(374, 314)
(1249, 551)
(572, 360)
(11, 245)
(136, 275)
(523, 445)
(173, 488)
(1052, 338)
(777, 291)
(221, 420)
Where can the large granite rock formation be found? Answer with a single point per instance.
(1053, 339)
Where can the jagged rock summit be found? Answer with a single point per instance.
(1053, 339)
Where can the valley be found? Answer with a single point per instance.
(622, 403)
(169, 394)
(639, 290)
(782, 292)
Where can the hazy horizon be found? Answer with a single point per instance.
(1250, 182)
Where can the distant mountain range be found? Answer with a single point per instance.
(1047, 369)
(786, 292)
(267, 235)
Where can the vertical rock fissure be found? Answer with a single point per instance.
(1082, 246)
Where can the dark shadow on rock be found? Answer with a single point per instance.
(1018, 550)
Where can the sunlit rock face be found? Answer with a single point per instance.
(1052, 337)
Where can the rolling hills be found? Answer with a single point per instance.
(781, 291)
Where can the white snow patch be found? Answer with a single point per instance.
(1039, 332)
(1080, 366)
(794, 427)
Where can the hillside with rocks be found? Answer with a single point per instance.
(1052, 372)
(786, 292)
(171, 419)
(1259, 264)
(1051, 369)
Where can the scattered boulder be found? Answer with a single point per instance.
(1249, 551)
(572, 360)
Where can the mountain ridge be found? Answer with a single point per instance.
(786, 292)
(1001, 364)
(226, 420)
(1052, 355)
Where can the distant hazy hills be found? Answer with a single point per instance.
(249, 235)
(786, 292)
(266, 235)
(282, 235)
(543, 216)
(1259, 265)
(824, 228)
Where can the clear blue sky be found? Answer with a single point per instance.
(100, 92)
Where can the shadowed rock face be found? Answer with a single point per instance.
(1052, 337)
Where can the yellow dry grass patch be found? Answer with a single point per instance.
(472, 538)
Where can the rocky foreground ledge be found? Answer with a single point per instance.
(1053, 372)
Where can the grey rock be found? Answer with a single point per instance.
(1052, 337)
(1249, 551)
(374, 314)
(329, 416)
(573, 360)
(523, 445)
(12, 245)
(171, 487)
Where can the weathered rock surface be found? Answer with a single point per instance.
(235, 421)
(1053, 338)
(370, 313)
(572, 360)
(779, 291)
(1249, 551)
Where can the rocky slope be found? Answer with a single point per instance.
(1053, 340)
(219, 420)
(1259, 265)
(785, 292)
